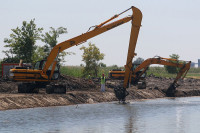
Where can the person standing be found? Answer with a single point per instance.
(90, 79)
(103, 82)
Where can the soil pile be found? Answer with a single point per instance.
(73, 83)
(8, 87)
(187, 86)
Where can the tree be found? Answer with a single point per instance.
(171, 69)
(22, 41)
(115, 66)
(139, 60)
(50, 40)
(102, 64)
(39, 54)
(91, 56)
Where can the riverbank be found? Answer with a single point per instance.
(82, 91)
(20, 101)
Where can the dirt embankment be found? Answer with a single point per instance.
(84, 91)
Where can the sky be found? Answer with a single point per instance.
(168, 26)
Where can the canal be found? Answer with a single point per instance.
(176, 115)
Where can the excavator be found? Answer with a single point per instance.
(47, 71)
(139, 72)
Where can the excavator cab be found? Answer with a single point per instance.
(40, 65)
(134, 66)
(139, 78)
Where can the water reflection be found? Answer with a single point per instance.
(130, 120)
(179, 124)
(161, 115)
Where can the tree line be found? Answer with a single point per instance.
(21, 44)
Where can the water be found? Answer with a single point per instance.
(179, 115)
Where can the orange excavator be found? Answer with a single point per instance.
(46, 71)
(139, 72)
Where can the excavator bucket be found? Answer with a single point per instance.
(121, 93)
(171, 90)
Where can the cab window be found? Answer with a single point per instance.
(37, 65)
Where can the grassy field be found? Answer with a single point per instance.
(160, 72)
(76, 71)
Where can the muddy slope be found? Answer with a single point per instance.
(20, 101)
(81, 90)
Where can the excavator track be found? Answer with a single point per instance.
(56, 88)
(27, 88)
(34, 88)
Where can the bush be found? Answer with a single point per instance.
(171, 69)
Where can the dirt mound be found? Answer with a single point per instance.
(153, 83)
(73, 83)
(114, 83)
(158, 86)
(80, 90)
(70, 82)
(8, 87)
(186, 87)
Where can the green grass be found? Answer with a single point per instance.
(193, 75)
(194, 70)
(76, 71)
(160, 72)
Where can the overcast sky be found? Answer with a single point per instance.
(168, 26)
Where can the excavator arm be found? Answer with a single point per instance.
(121, 93)
(183, 65)
(96, 31)
(132, 45)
